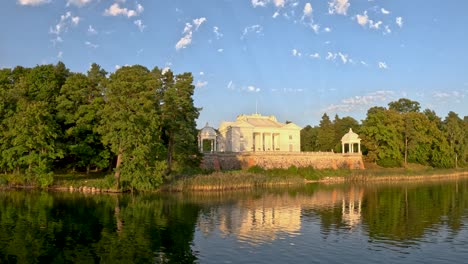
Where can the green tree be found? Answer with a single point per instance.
(453, 128)
(309, 138)
(326, 134)
(404, 105)
(179, 115)
(130, 126)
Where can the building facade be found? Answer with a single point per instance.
(254, 133)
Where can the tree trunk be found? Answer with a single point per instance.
(117, 168)
(406, 151)
(170, 154)
(87, 169)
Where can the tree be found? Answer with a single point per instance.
(178, 117)
(404, 105)
(309, 138)
(453, 128)
(130, 126)
(326, 134)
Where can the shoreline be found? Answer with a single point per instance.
(223, 181)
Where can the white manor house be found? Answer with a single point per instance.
(251, 133)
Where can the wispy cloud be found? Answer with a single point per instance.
(360, 102)
(220, 50)
(92, 30)
(139, 24)
(362, 19)
(60, 55)
(65, 22)
(399, 21)
(78, 3)
(314, 55)
(217, 33)
(116, 10)
(251, 29)
(186, 39)
(200, 84)
(33, 2)
(91, 45)
(296, 53)
(252, 89)
(384, 11)
(307, 10)
(338, 7)
(382, 65)
(261, 3)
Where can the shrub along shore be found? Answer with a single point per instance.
(254, 177)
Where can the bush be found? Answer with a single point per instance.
(389, 163)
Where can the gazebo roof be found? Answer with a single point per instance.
(208, 131)
(350, 136)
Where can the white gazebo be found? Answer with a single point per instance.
(207, 134)
(351, 139)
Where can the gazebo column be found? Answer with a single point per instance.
(359, 147)
(343, 148)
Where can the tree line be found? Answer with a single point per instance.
(397, 135)
(136, 122)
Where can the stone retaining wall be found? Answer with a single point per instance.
(266, 160)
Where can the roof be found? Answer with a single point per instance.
(208, 131)
(350, 136)
(259, 121)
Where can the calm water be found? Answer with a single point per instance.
(396, 223)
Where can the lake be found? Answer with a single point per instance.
(403, 222)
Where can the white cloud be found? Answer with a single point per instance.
(275, 14)
(387, 30)
(33, 2)
(91, 45)
(186, 39)
(91, 30)
(65, 21)
(344, 57)
(262, 3)
(252, 29)
(382, 65)
(230, 85)
(220, 50)
(315, 56)
(384, 11)
(296, 53)
(308, 10)
(116, 10)
(139, 24)
(202, 73)
(279, 3)
(200, 84)
(327, 29)
(331, 56)
(360, 103)
(165, 69)
(60, 55)
(338, 7)
(78, 3)
(315, 27)
(373, 25)
(217, 33)
(198, 21)
(253, 89)
(399, 21)
(362, 19)
(364, 63)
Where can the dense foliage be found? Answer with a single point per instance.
(136, 122)
(397, 136)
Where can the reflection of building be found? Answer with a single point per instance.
(253, 133)
(351, 207)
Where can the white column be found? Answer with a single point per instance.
(352, 147)
(342, 148)
(359, 147)
(215, 145)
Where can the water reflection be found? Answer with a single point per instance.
(403, 222)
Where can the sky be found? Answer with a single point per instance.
(292, 59)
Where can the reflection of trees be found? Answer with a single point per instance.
(67, 227)
(406, 212)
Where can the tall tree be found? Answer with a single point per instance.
(326, 134)
(130, 127)
(179, 115)
(404, 105)
(453, 127)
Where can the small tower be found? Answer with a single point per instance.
(207, 134)
(351, 139)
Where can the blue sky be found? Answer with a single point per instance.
(289, 58)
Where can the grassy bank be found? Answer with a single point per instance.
(229, 180)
